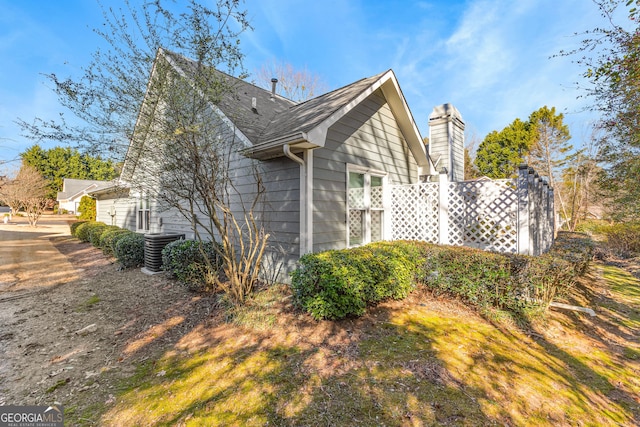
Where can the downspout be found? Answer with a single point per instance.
(287, 152)
(306, 197)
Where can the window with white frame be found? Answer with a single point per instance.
(144, 214)
(365, 206)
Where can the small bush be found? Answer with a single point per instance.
(117, 237)
(83, 231)
(74, 227)
(109, 237)
(185, 260)
(622, 239)
(576, 248)
(540, 279)
(341, 283)
(480, 278)
(129, 250)
(95, 231)
(87, 208)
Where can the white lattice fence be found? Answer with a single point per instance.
(414, 212)
(484, 215)
(509, 216)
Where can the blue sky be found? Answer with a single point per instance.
(490, 58)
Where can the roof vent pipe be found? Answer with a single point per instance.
(274, 82)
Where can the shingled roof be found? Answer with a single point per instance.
(237, 100)
(276, 121)
(303, 117)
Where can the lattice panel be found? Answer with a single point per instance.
(356, 224)
(414, 212)
(376, 197)
(457, 212)
(356, 198)
(376, 226)
(483, 214)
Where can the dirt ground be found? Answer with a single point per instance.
(72, 324)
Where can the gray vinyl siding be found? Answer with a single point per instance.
(124, 207)
(369, 137)
(458, 154)
(279, 212)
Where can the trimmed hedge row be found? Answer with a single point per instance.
(340, 283)
(127, 246)
(183, 259)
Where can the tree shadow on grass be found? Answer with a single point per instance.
(316, 373)
(588, 352)
(400, 364)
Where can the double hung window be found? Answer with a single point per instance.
(144, 214)
(365, 206)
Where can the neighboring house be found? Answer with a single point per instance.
(326, 163)
(73, 190)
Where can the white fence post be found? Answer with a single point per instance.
(523, 210)
(443, 208)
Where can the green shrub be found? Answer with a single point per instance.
(74, 227)
(117, 237)
(622, 239)
(321, 286)
(341, 283)
(185, 260)
(95, 231)
(480, 278)
(83, 230)
(576, 248)
(87, 208)
(540, 279)
(109, 237)
(129, 250)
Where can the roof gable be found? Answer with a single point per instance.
(306, 125)
(266, 122)
(304, 117)
(76, 188)
(237, 101)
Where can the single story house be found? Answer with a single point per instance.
(73, 189)
(326, 163)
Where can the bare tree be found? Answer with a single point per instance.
(28, 190)
(182, 153)
(296, 85)
(9, 192)
(470, 170)
(189, 162)
(580, 182)
(35, 191)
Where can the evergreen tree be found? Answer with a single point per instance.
(500, 153)
(58, 163)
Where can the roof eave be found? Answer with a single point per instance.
(274, 147)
